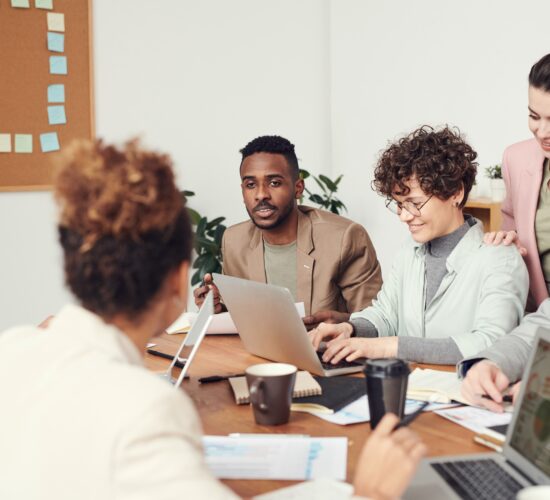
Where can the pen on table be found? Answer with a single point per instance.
(407, 419)
(218, 378)
(180, 363)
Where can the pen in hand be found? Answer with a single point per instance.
(407, 419)
(506, 398)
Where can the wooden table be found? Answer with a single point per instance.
(225, 354)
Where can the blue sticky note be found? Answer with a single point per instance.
(56, 93)
(58, 65)
(49, 142)
(21, 4)
(56, 115)
(44, 4)
(23, 143)
(56, 42)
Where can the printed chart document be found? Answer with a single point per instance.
(476, 419)
(358, 411)
(276, 457)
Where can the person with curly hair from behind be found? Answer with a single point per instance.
(448, 296)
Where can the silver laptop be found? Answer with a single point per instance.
(525, 460)
(190, 344)
(270, 326)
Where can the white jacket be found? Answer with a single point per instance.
(81, 418)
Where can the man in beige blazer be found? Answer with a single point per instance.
(327, 261)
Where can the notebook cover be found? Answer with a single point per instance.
(337, 392)
(305, 385)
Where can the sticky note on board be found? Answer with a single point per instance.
(5, 143)
(49, 142)
(23, 143)
(56, 93)
(58, 65)
(56, 21)
(56, 42)
(20, 4)
(56, 115)
(44, 4)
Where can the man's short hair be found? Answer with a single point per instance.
(274, 144)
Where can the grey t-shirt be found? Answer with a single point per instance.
(280, 265)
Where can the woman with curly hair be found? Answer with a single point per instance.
(448, 296)
(83, 417)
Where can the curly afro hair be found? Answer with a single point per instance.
(122, 225)
(440, 160)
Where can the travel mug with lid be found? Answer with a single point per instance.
(386, 387)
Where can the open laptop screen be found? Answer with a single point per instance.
(531, 434)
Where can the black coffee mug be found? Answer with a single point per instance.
(386, 387)
(271, 386)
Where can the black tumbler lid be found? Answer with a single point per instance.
(386, 367)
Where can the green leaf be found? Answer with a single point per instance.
(219, 235)
(207, 245)
(338, 179)
(201, 226)
(328, 182)
(321, 185)
(196, 278)
(194, 216)
(187, 194)
(304, 174)
(214, 222)
(315, 198)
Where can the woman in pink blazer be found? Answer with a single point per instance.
(523, 168)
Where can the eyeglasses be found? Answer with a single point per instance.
(413, 208)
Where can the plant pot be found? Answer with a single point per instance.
(498, 190)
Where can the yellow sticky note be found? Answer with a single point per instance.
(5, 143)
(56, 21)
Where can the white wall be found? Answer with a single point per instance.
(399, 64)
(337, 77)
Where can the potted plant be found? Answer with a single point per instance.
(498, 191)
(327, 199)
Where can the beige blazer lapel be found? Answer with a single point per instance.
(255, 259)
(304, 261)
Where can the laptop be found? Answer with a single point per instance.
(190, 344)
(525, 460)
(270, 326)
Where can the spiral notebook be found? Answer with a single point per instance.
(305, 385)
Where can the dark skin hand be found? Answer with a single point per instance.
(200, 293)
(313, 320)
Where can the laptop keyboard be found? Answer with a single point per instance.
(478, 479)
(341, 364)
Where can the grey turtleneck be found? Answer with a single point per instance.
(421, 350)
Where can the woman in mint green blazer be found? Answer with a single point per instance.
(448, 295)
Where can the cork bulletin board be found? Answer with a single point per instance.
(46, 86)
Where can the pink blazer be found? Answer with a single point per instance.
(522, 166)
